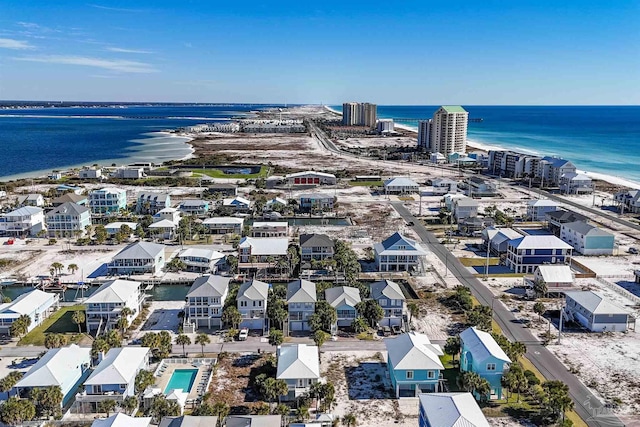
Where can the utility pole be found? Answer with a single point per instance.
(560, 325)
(486, 267)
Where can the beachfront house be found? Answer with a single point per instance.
(480, 353)
(200, 260)
(78, 199)
(104, 306)
(400, 185)
(595, 312)
(316, 246)
(399, 253)
(90, 173)
(414, 364)
(114, 377)
(299, 366)
(479, 187)
(138, 258)
(205, 301)
(576, 183)
(22, 222)
(63, 367)
(344, 299)
(64, 188)
(311, 178)
(38, 305)
(450, 410)
(107, 200)
(301, 304)
(237, 204)
(152, 203)
(256, 253)
(390, 297)
(224, 225)
(252, 304)
(33, 199)
(194, 207)
(316, 202)
(555, 220)
(538, 209)
(524, 254)
(270, 229)
(163, 229)
(132, 172)
(553, 276)
(122, 420)
(68, 220)
(465, 207)
(587, 239)
(628, 201)
(550, 169)
(442, 186)
(497, 239)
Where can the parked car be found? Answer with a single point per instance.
(633, 251)
(244, 333)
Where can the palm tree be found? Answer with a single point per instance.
(349, 420)
(414, 310)
(78, 317)
(183, 340)
(129, 404)
(107, 406)
(72, 268)
(57, 267)
(126, 312)
(202, 339)
(122, 324)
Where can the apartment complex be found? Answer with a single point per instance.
(359, 114)
(446, 132)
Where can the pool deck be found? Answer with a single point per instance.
(163, 380)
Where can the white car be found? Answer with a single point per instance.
(244, 333)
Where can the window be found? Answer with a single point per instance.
(491, 366)
(409, 375)
(431, 374)
(243, 303)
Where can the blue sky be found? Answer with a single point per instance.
(409, 52)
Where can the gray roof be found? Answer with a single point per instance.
(452, 410)
(594, 303)
(413, 351)
(140, 250)
(315, 240)
(342, 295)
(253, 421)
(158, 197)
(69, 208)
(383, 248)
(69, 197)
(24, 211)
(209, 286)
(563, 216)
(254, 290)
(114, 291)
(301, 291)
(194, 202)
(386, 289)
(400, 182)
(189, 421)
(586, 229)
(482, 345)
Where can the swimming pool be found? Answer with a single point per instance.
(181, 378)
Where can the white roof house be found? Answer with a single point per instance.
(119, 366)
(122, 420)
(539, 242)
(558, 275)
(140, 250)
(114, 227)
(223, 220)
(26, 303)
(206, 253)
(297, 361)
(413, 351)
(450, 410)
(163, 223)
(482, 345)
(401, 185)
(342, 296)
(265, 245)
(114, 291)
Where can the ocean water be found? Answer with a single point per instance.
(603, 139)
(42, 139)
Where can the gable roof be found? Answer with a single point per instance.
(236, 201)
(163, 223)
(265, 245)
(386, 289)
(413, 351)
(400, 182)
(270, 224)
(565, 216)
(140, 250)
(276, 200)
(315, 240)
(342, 295)
(254, 290)
(224, 220)
(201, 253)
(114, 291)
(298, 361)
(555, 273)
(209, 286)
(301, 291)
(119, 366)
(54, 367)
(542, 202)
(594, 302)
(68, 208)
(253, 421)
(414, 248)
(27, 303)
(194, 203)
(24, 211)
(122, 420)
(157, 197)
(539, 242)
(118, 225)
(69, 197)
(299, 174)
(482, 345)
(189, 421)
(453, 109)
(452, 410)
(582, 227)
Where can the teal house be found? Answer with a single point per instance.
(414, 364)
(481, 354)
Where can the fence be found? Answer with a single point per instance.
(619, 290)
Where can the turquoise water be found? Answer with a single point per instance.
(181, 378)
(158, 293)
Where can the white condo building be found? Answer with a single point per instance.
(359, 114)
(446, 132)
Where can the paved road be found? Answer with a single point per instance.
(539, 355)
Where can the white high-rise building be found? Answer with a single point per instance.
(424, 134)
(449, 130)
(359, 114)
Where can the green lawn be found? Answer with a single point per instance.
(366, 183)
(215, 173)
(475, 262)
(59, 322)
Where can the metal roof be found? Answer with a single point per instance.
(413, 351)
(116, 291)
(209, 286)
(539, 242)
(386, 289)
(342, 295)
(594, 303)
(265, 245)
(452, 410)
(27, 303)
(582, 227)
(453, 109)
(298, 361)
(122, 420)
(55, 366)
(140, 250)
(482, 345)
(400, 182)
(189, 421)
(301, 291)
(253, 290)
(69, 208)
(119, 366)
(555, 273)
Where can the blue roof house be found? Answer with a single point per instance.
(480, 353)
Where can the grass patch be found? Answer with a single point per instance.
(478, 262)
(59, 323)
(365, 336)
(365, 183)
(216, 173)
(406, 198)
(500, 275)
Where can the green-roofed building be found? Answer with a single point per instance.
(448, 133)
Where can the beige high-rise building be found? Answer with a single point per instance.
(359, 114)
(449, 130)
